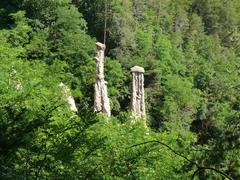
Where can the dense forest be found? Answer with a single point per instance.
(190, 50)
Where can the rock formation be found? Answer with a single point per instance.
(68, 97)
(138, 101)
(101, 100)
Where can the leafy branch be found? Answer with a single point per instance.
(199, 167)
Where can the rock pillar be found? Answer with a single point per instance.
(101, 100)
(138, 101)
(67, 95)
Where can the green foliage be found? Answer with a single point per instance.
(181, 102)
(115, 78)
(144, 43)
(190, 51)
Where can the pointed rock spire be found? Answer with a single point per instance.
(138, 99)
(101, 100)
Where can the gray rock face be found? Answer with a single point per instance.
(101, 100)
(138, 99)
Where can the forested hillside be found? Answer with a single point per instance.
(190, 50)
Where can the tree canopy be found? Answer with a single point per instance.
(190, 50)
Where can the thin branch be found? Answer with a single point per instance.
(105, 23)
(199, 168)
(213, 169)
(167, 146)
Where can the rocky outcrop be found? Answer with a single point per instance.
(101, 100)
(67, 96)
(138, 99)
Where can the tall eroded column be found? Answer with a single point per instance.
(138, 101)
(101, 100)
